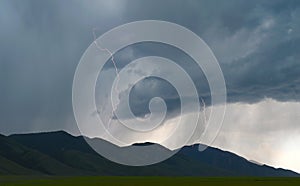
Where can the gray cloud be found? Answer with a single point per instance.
(256, 43)
(41, 44)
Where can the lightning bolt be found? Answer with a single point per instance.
(204, 111)
(204, 121)
(201, 146)
(105, 50)
(102, 49)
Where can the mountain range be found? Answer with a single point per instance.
(59, 153)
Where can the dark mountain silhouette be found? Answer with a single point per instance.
(59, 153)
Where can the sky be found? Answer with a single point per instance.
(257, 44)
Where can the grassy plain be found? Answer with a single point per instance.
(153, 181)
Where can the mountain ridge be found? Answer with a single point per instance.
(60, 153)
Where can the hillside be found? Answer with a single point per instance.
(59, 153)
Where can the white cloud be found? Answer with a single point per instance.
(267, 132)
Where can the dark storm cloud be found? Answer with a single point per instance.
(151, 87)
(266, 74)
(257, 45)
(41, 42)
(258, 60)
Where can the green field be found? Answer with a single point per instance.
(97, 180)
